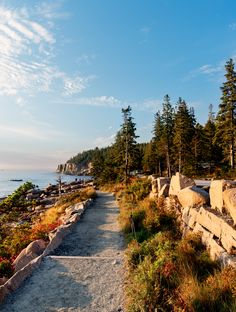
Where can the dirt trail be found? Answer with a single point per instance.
(84, 274)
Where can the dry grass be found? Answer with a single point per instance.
(166, 272)
(53, 214)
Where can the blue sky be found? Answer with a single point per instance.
(68, 67)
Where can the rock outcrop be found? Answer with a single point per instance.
(179, 182)
(68, 168)
(229, 197)
(216, 192)
(193, 196)
(32, 251)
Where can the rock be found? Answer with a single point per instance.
(192, 196)
(215, 250)
(153, 179)
(161, 182)
(164, 191)
(228, 237)
(76, 187)
(179, 182)
(32, 251)
(210, 221)
(229, 197)
(47, 201)
(68, 168)
(3, 280)
(217, 188)
(31, 196)
(38, 208)
(189, 216)
(206, 235)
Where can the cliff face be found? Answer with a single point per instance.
(68, 169)
(73, 169)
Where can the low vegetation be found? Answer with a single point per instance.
(19, 227)
(165, 271)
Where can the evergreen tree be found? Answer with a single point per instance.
(199, 147)
(103, 167)
(167, 118)
(150, 163)
(125, 146)
(157, 146)
(226, 117)
(213, 153)
(183, 135)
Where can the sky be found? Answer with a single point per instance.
(68, 67)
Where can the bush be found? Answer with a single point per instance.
(41, 231)
(6, 268)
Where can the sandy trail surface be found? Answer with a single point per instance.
(84, 274)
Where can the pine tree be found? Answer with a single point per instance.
(226, 117)
(167, 118)
(212, 151)
(199, 147)
(125, 146)
(183, 135)
(157, 144)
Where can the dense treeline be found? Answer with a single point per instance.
(179, 142)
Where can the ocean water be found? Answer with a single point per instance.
(40, 178)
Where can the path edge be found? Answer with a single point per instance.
(57, 237)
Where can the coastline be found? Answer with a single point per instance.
(42, 178)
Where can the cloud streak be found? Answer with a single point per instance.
(26, 55)
(113, 102)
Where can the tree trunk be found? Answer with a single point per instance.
(168, 162)
(232, 156)
(180, 161)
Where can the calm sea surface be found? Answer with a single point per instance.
(40, 178)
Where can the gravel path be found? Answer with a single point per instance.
(84, 274)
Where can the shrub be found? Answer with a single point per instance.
(6, 268)
(41, 231)
(139, 189)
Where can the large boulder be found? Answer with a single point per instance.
(32, 251)
(216, 193)
(229, 197)
(192, 196)
(179, 182)
(210, 221)
(215, 250)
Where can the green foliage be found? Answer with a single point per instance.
(125, 150)
(6, 268)
(16, 201)
(183, 135)
(226, 117)
(139, 189)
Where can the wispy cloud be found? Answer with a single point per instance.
(232, 26)
(149, 105)
(26, 54)
(101, 101)
(51, 10)
(212, 72)
(112, 102)
(209, 69)
(88, 59)
(144, 32)
(104, 141)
